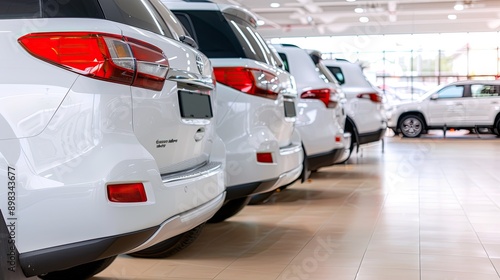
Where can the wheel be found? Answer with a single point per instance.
(260, 198)
(81, 272)
(229, 209)
(496, 130)
(411, 126)
(170, 246)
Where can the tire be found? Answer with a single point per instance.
(261, 198)
(496, 130)
(170, 246)
(229, 209)
(411, 126)
(81, 272)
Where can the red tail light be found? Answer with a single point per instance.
(249, 80)
(127, 193)
(265, 157)
(375, 97)
(321, 94)
(101, 56)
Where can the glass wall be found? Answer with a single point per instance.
(414, 63)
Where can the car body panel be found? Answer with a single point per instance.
(68, 137)
(446, 106)
(318, 125)
(368, 117)
(246, 123)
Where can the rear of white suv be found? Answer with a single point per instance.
(366, 119)
(256, 102)
(107, 136)
(320, 116)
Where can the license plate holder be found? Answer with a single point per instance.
(195, 105)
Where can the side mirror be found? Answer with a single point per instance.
(435, 96)
(188, 41)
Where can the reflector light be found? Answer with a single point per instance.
(248, 80)
(101, 56)
(265, 157)
(338, 139)
(374, 97)
(127, 193)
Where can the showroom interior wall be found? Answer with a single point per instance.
(419, 60)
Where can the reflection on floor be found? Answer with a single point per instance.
(424, 209)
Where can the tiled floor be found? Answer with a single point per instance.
(425, 209)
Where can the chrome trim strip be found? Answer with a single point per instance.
(290, 150)
(186, 77)
(205, 170)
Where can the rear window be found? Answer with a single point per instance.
(337, 72)
(284, 58)
(134, 13)
(212, 33)
(12, 9)
(225, 36)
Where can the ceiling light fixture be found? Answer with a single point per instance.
(260, 22)
(452, 17)
(275, 5)
(350, 0)
(364, 19)
(459, 6)
(359, 10)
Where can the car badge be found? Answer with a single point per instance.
(199, 63)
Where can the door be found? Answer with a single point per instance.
(446, 107)
(483, 105)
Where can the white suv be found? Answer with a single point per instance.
(255, 98)
(108, 141)
(366, 119)
(471, 104)
(320, 115)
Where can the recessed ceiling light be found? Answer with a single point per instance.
(452, 17)
(350, 0)
(260, 22)
(458, 7)
(364, 19)
(359, 10)
(275, 5)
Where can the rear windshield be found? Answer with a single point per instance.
(135, 13)
(12, 9)
(225, 36)
(212, 33)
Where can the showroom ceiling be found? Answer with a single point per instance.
(298, 18)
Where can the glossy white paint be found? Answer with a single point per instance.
(318, 125)
(249, 124)
(68, 136)
(464, 111)
(368, 116)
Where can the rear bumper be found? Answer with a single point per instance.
(183, 222)
(248, 189)
(315, 162)
(347, 140)
(66, 256)
(371, 136)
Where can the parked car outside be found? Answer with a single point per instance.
(255, 98)
(470, 104)
(320, 114)
(366, 117)
(108, 140)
